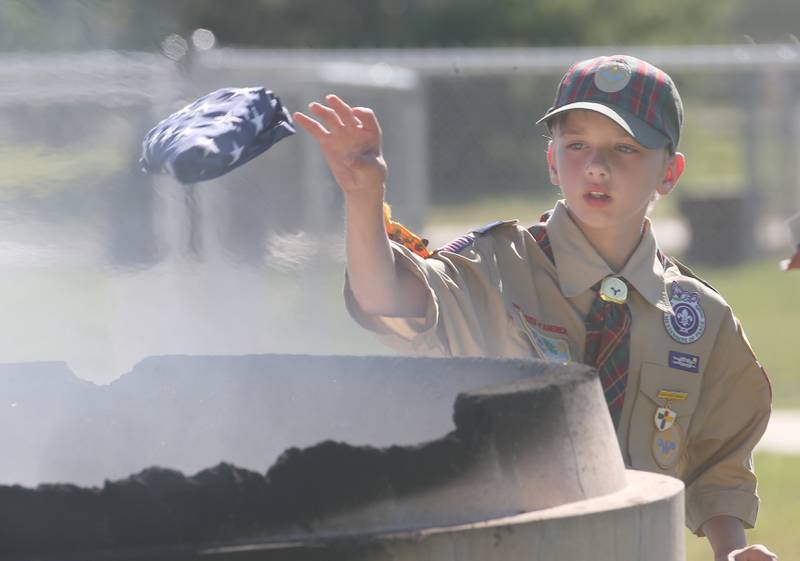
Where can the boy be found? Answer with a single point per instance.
(587, 283)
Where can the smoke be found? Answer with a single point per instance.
(291, 251)
(189, 413)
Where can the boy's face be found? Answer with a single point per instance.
(607, 178)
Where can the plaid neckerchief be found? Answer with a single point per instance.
(608, 341)
(608, 336)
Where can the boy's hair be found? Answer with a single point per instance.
(636, 95)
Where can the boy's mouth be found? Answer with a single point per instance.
(597, 197)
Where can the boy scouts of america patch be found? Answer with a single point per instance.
(548, 348)
(688, 323)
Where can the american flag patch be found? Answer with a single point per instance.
(459, 243)
(216, 134)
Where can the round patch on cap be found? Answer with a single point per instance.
(612, 76)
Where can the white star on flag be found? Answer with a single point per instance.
(236, 152)
(228, 118)
(208, 145)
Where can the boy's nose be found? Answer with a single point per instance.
(597, 164)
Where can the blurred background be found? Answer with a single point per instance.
(103, 265)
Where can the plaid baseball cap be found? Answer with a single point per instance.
(636, 95)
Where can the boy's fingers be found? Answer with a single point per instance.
(755, 552)
(367, 118)
(343, 110)
(311, 126)
(329, 117)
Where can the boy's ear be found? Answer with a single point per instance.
(675, 168)
(551, 164)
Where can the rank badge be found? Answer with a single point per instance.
(664, 419)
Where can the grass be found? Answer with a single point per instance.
(40, 170)
(526, 206)
(712, 146)
(767, 302)
(34, 170)
(779, 489)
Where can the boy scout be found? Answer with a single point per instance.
(587, 283)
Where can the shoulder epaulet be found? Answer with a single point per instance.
(491, 226)
(687, 272)
(467, 239)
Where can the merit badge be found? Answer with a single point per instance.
(689, 320)
(665, 418)
(667, 446)
(613, 289)
(612, 76)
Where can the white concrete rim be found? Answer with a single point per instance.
(643, 488)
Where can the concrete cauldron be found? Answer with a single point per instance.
(365, 458)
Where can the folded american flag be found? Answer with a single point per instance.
(216, 134)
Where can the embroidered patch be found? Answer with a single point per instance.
(541, 325)
(665, 418)
(684, 361)
(459, 243)
(667, 446)
(549, 348)
(688, 323)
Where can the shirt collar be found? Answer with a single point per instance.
(579, 266)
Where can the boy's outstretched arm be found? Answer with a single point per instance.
(350, 139)
(726, 536)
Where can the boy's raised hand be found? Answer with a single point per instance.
(350, 139)
(752, 553)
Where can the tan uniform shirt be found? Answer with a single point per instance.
(500, 296)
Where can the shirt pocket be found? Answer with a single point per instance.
(653, 379)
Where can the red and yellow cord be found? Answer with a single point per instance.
(402, 235)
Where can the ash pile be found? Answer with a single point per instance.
(306, 451)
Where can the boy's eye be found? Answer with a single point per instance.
(626, 149)
(575, 145)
